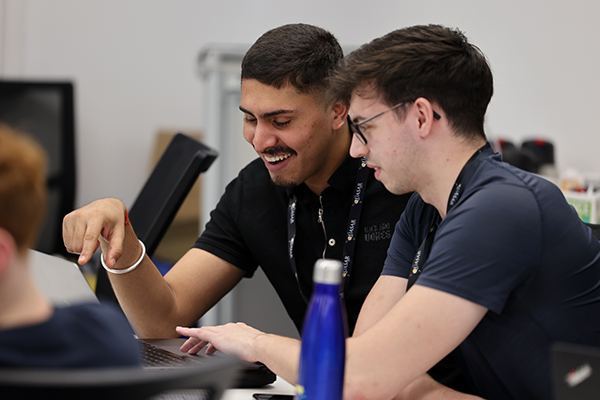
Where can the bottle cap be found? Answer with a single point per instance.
(328, 271)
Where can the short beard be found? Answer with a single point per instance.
(288, 184)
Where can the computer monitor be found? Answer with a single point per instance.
(46, 111)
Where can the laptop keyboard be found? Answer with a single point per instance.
(253, 375)
(153, 356)
(191, 394)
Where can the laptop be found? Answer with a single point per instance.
(575, 371)
(63, 282)
(164, 354)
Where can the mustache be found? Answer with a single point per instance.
(271, 151)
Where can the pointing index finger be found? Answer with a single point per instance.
(87, 235)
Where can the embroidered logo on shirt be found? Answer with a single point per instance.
(377, 232)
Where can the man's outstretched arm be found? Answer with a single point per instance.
(154, 305)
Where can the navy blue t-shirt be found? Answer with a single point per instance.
(79, 336)
(515, 246)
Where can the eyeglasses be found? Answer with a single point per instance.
(355, 127)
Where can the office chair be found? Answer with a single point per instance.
(208, 382)
(160, 198)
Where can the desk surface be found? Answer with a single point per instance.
(278, 387)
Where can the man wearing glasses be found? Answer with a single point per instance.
(488, 262)
(355, 127)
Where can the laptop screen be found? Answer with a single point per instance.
(61, 280)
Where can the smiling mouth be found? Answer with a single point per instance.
(276, 159)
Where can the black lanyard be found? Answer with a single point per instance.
(463, 178)
(360, 187)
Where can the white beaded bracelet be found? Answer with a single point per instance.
(126, 270)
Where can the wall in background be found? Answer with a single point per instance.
(134, 64)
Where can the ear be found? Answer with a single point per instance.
(8, 249)
(425, 118)
(340, 111)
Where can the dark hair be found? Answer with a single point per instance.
(298, 54)
(433, 62)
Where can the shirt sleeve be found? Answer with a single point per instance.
(222, 236)
(486, 246)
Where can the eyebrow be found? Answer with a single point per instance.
(267, 115)
(356, 119)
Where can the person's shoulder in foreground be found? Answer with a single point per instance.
(79, 336)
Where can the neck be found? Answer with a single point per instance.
(445, 166)
(338, 151)
(21, 301)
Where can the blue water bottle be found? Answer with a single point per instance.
(323, 352)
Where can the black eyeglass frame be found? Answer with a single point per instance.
(355, 127)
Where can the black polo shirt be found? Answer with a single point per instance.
(249, 228)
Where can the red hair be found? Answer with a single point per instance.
(22, 186)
